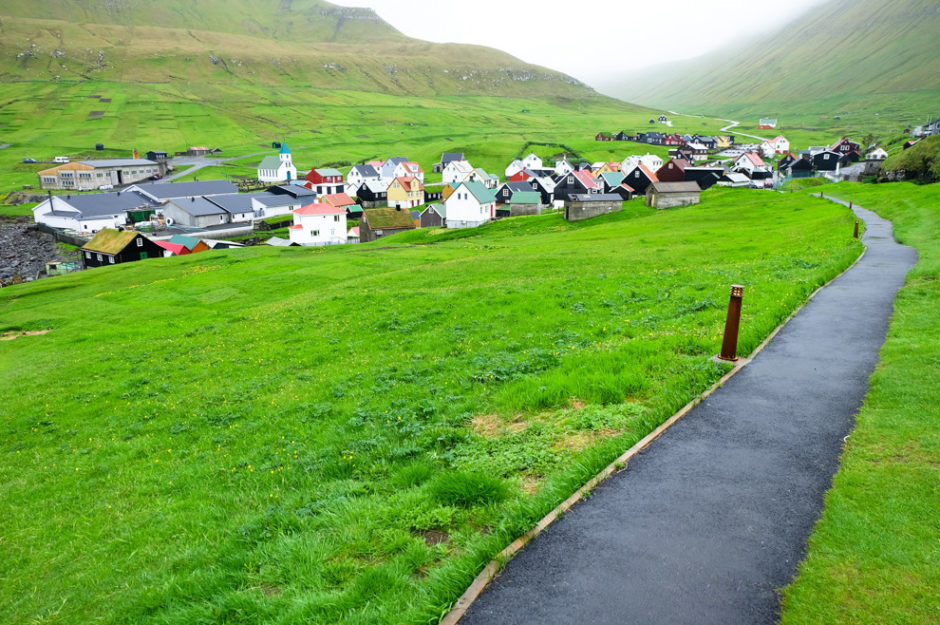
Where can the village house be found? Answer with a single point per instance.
(705, 177)
(545, 186)
(751, 165)
(112, 247)
(359, 175)
(563, 167)
(294, 190)
(319, 224)
(670, 194)
(192, 244)
(325, 181)
(237, 205)
(652, 162)
(845, 147)
(409, 169)
(613, 183)
(470, 205)
(373, 194)
(673, 171)
(434, 216)
(639, 177)
(195, 212)
(525, 203)
(827, 160)
(873, 161)
(733, 179)
(490, 181)
(507, 189)
(277, 168)
(173, 249)
(87, 214)
(456, 171)
(389, 167)
(405, 192)
(94, 174)
(339, 200)
(576, 183)
(446, 159)
(579, 207)
(531, 161)
(353, 235)
(513, 168)
(383, 222)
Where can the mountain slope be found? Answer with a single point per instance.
(270, 42)
(845, 53)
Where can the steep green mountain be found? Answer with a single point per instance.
(267, 42)
(846, 55)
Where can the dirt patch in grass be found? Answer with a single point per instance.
(578, 441)
(492, 426)
(433, 537)
(95, 115)
(9, 336)
(531, 484)
(575, 403)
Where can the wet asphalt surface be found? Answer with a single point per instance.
(710, 521)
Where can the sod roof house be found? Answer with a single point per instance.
(382, 222)
(112, 247)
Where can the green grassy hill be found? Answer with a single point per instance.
(349, 434)
(856, 57)
(269, 42)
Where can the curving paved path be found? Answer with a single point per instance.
(712, 519)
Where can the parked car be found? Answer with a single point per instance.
(106, 187)
(156, 176)
(61, 159)
(30, 160)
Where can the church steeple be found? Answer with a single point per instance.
(285, 154)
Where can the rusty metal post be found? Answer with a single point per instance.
(856, 228)
(729, 347)
(850, 205)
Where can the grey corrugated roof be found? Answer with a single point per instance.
(173, 190)
(270, 200)
(118, 162)
(675, 187)
(600, 197)
(198, 207)
(366, 171)
(94, 204)
(235, 202)
(292, 189)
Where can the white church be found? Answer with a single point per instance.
(278, 168)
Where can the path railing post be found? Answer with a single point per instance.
(729, 347)
(856, 228)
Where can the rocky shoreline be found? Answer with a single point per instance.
(25, 251)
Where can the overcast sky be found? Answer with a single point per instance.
(588, 40)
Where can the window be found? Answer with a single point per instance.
(111, 259)
(99, 257)
(570, 179)
(140, 242)
(88, 254)
(314, 233)
(335, 217)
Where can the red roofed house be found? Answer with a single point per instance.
(325, 181)
(409, 168)
(319, 224)
(750, 164)
(339, 200)
(407, 192)
(673, 171)
(173, 249)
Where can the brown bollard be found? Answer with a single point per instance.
(850, 205)
(729, 347)
(856, 228)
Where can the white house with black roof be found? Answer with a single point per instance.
(91, 212)
(195, 212)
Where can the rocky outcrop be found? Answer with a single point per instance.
(24, 251)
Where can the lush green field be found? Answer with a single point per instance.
(349, 434)
(875, 554)
(322, 127)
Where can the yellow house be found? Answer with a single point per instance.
(95, 174)
(724, 141)
(405, 192)
(68, 176)
(607, 168)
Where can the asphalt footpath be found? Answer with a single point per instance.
(712, 519)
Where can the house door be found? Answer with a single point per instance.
(143, 255)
